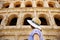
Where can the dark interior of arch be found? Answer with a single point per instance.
(43, 21)
(39, 5)
(6, 6)
(51, 5)
(0, 20)
(13, 22)
(57, 21)
(29, 5)
(25, 20)
(17, 5)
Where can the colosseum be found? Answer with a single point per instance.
(14, 15)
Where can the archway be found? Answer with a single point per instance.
(17, 4)
(43, 19)
(12, 20)
(57, 20)
(28, 4)
(6, 5)
(39, 4)
(51, 4)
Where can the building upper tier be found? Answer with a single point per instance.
(29, 3)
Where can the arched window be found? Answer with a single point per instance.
(51, 4)
(17, 4)
(6, 5)
(43, 19)
(57, 20)
(12, 20)
(39, 4)
(28, 4)
(1, 17)
(27, 17)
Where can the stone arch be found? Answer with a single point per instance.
(57, 19)
(12, 20)
(43, 19)
(28, 4)
(1, 18)
(17, 4)
(39, 4)
(6, 5)
(27, 16)
(51, 4)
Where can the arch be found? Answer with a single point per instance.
(57, 19)
(17, 4)
(43, 19)
(51, 4)
(1, 18)
(27, 16)
(6, 5)
(28, 4)
(39, 4)
(12, 20)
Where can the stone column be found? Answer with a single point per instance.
(52, 22)
(34, 3)
(4, 21)
(57, 4)
(11, 5)
(19, 21)
(23, 4)
(46, 4)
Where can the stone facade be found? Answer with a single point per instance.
(14, 13)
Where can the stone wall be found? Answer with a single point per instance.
(17, 30)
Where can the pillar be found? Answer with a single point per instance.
(46, 4)
(11, 5)
(57, 4)
(34, 3)
(22, 4)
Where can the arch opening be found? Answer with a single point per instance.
(12, 20)
(17, 4)
(6, 5)
(0, 21)
(1, 18)
(43, 21)
(39, 4)
(51, 4)
(25, 20)
(28, 4)
(57, 20)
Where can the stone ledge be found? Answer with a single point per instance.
(29, 9)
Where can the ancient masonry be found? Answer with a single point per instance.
(14, 13)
